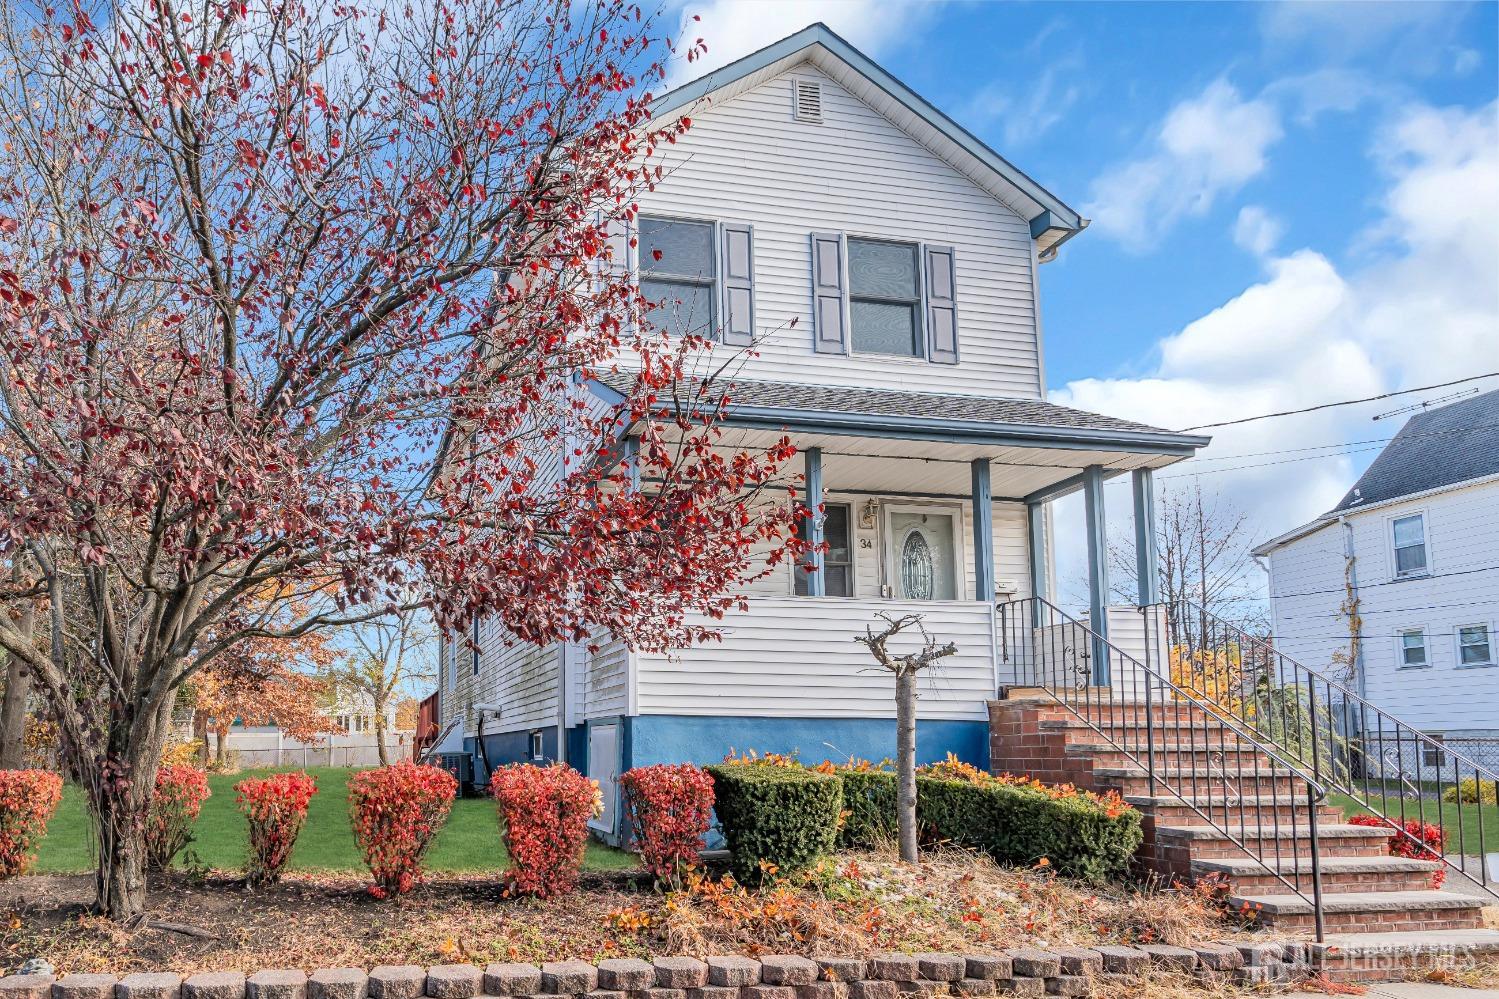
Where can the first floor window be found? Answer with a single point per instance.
(1432, 754)
(677, 275)
(884, 298)
(1473, 645)
(536, 748)
(1413, 647)
(1410, 545)
(837, 564)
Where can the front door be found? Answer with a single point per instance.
(921, 553)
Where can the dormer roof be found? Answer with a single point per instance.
(1052, 222)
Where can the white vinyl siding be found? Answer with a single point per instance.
(749, 159)
(792, 657)
(1461, 535)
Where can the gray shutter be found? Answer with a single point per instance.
(738, 275)
(941, 305)
(829, 296)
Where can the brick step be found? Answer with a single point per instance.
(1134, 781)
(1206, 734)
(1245, 813)
(1365, 912)
(1339, 874)
(1380, 957)
(1333, 840)
(1180, 755)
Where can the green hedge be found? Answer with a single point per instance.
(787, 816)
(1018, 824)
(869, 801)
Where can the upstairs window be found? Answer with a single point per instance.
(884, 298)
(677, 275)
(1410, 545)
(1413, 647)
(837, 564)
(1473, 646)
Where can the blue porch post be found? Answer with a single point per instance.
(1098, 572)
(1035, 544)
(816, 583)
(983, 532)
(1147, 568)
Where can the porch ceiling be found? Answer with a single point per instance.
(885, 465)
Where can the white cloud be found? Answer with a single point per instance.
(735, 28)
(1257, 231)
(1024, 118)
(1421, 305)
(1207, 146)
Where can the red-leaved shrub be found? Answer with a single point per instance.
(396, 812)
(276, 808)
(670, 808)
(1421, 841)
(175, 804)
(545, 812)
(27, 800)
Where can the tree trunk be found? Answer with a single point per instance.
(119, 784)
(17, 693)
(222, 747)
(200, 729)
(380, 735)
(905, 758)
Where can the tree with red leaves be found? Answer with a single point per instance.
(309, 300)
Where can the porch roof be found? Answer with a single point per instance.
(906, 415)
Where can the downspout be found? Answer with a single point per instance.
(1352, 567)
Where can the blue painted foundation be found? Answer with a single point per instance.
(503, 748)
(686, 739)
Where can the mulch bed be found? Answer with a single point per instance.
(857, 905)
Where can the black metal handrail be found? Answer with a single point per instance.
(1363, 752)
(1178, 737)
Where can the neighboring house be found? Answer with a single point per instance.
(884, 261)
(1416, 543)
(354, 745)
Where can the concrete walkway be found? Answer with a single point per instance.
(1408, 990)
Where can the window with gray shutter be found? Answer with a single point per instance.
(829, 311)
(738, 283)
(941, 306)
(678, 276)
(884, 298)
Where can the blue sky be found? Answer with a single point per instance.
(1291, 203)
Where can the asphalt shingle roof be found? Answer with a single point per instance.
(1436, 448)
(922, 405)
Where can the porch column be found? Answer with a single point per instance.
(1098, 571)
(1147, 568)
(816, 583)
(631, 459)
(983, 532)
(1035, 524)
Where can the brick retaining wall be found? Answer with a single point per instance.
(1068, 971)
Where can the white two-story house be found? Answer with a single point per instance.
(884, 262)
(1413, 549)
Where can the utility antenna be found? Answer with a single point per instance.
(1413, 407)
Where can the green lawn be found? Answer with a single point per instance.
(469, 842)
(1449, 817)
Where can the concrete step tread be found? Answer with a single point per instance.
(1325, 830)
(1359, 901)
(1202, 773)
(1466, 942)
(1218, 801)
(1248, 867)
(1161, 751)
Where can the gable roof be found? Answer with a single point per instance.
(1435, 448)
(1052, 222)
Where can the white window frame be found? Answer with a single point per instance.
(960, 535)
(1395, 573)
(538, 747)
(1457, 644)
(1400, 634)
(715, 250)
(853, 549)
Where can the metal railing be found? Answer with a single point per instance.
(1189, 753)
(1357, 750)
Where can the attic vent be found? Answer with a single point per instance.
(806, 100)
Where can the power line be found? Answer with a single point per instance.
(1334, 405)
(1341, 445)
(1388, 582)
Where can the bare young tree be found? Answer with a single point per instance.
(389, 656)
(1206, 566)
(906, 666)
